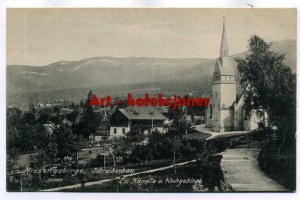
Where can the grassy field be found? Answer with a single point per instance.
(162, 181)
(132, 184)
(89, 175)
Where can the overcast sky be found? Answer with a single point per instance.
(44, 36)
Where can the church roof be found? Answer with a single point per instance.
(224, 46)
(226, 66)
(224, 62)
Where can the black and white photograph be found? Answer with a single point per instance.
(156, 100)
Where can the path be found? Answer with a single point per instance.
(241, 169)
(107, 180)
(214, 135)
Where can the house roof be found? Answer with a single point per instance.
(142, 113)
(124, 112)
(163, 109)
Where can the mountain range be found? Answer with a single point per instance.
(71, 80)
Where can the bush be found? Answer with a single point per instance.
(281, 166)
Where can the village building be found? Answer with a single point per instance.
(103, 131)
(225, 111)
(146, 118)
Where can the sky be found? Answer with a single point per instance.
(42, 36)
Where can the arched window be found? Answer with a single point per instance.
(245, 115)
(210, 111)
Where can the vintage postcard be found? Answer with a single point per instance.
(151, 100)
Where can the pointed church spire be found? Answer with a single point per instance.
(224, 46)
(104, 114)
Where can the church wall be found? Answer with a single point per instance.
(228, 78)
(226, 120)
(228, 94)
(216, 129)
(242, 123)
(207, 119)
(238, 116)
(252, 122)
(215, 101)
(223, 96)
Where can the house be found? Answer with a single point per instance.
(163, 110)
(66, 111)
(147, 118)
(225, 111)
(41, 105)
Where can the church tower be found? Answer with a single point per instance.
(223, 93)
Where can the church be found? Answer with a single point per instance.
(225, 111)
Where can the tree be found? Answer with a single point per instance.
(51, 151)
(179, 124)
(44, 116)
(89, 121)
(135, 135)
(199, 187)
(270, 85)
(208, 164)
(156, 144)
(28, 137)
(29, 118)
(68, 144)
(141, 153)
(12, 157)
(116, 146)
(175, 115)
(48, 154)
(176, 145)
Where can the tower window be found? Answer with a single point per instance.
(211, 111)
